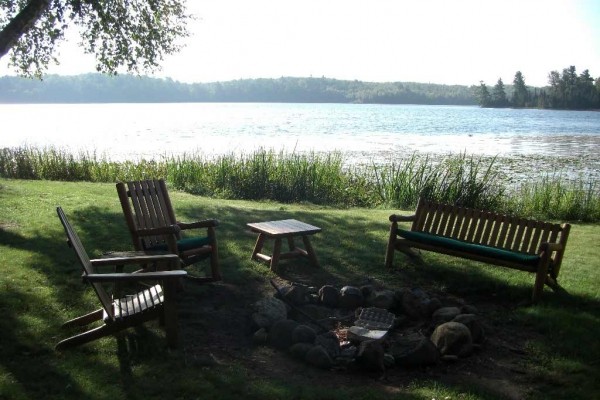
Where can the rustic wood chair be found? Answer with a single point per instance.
(153, 226)
(154, 302)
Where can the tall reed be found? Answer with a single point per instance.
(325, 179)
(456, 179)
(556, 196)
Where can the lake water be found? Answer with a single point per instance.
(363, 132)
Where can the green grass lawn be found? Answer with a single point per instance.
(40, 288)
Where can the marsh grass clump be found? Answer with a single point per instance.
(557, 197)
(455, 179)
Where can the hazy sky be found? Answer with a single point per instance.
(438, 41)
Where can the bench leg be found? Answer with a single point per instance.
(540, 279)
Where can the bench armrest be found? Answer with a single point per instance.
(402, 218)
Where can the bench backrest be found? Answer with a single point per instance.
(486, 228)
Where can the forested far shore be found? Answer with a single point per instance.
(98, 88)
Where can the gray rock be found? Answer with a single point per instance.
(388, 360)
(444, 314)
(303, 334)
(319, 357)
(414, 350)
(429, 306)
(329, 296)
(468, 309)
(260, 337)
(366, 290)
(280, 335)
(385, 299)
(295, 294)
(268, 311)
(330, 343)
(472, 322)
(371, 355)
(411, 304)
(351, 297)
(453, 339)
(300, 350)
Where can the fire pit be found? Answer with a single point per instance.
(365, 326)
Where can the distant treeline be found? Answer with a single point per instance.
(92, 88)
(566, 90)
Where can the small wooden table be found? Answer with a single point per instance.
(288, 228)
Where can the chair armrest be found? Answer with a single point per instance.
(124, 277)
(402, 218)
(101, 262)
(163, 230)
(207, 223)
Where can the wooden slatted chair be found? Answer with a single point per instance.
(152, 224)
(154, 302)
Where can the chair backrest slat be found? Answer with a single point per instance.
(147, 204)
(85, 262)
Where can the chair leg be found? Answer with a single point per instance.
(85, 337)
(84, 319)
(169, 316)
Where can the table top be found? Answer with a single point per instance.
(284, 227)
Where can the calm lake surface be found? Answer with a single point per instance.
(362, 132)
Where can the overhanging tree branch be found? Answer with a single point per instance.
(21, 23)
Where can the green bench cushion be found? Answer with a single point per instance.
(185, 244)
(453, 244)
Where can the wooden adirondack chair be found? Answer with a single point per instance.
(154, 302)
(153, 226)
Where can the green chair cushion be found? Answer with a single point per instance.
(453, 244)
(185, 244)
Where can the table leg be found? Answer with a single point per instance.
(276, 254)
(259, 245)
(291, 243)
(311, 252)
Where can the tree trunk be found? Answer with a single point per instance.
(21, 23)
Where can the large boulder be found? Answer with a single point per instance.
(414, 350)
(267, 311)
(473, 322)
(351, 297)
(329, 296)
(303, 334)
(300, 350)
(370, 355)
(281, 334)
(453, 339)
(329, 341)
(444, 314)
(319, 357)
(385, 299)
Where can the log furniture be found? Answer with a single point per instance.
(152, 224)
(155, 301)
(523, 244)
(284, 229)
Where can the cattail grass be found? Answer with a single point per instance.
(324, 178)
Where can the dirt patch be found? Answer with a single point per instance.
(217, 329)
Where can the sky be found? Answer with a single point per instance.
(430, 41)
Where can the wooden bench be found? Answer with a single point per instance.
(523, 244)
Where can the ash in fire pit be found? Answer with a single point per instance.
(365, 326)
